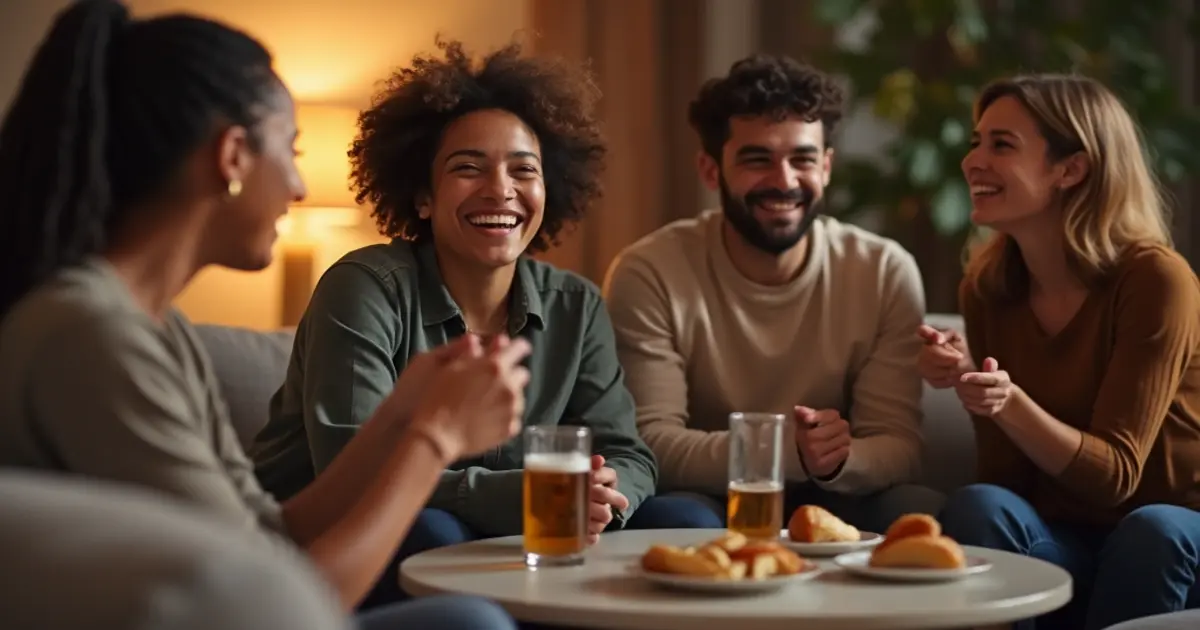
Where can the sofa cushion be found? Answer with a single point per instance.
(250, 366)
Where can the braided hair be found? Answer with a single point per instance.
(107, 112)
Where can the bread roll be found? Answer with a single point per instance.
(910, 525)
(914, 525)
(919, 552)
(814, 524)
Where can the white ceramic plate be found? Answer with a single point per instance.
(710, 585)
(857, 563)
(830, 549)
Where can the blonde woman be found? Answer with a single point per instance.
(1082, 374)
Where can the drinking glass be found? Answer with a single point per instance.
(558, 468)
(756, 474)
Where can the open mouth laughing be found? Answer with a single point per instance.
(985, 191)
(495, 222)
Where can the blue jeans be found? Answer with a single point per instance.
(1145, 565)
(443, 612)
(871, 512)
(439, 528)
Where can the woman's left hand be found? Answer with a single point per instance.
(985, 393)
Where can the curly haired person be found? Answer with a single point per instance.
(767, 305)
(470, 166)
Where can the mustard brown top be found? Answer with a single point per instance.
(1125, 371)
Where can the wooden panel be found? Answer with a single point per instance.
(647, 67)
(561, 30)
(681, 43)
(627, 60)
(787, 27)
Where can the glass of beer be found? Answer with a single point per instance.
(756, 475)
(558, 470)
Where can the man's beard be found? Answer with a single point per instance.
(740, 214)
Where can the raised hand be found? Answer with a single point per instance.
(944, 357)
(985, 393)
(823, 439)
(475, 401)
(415, 379)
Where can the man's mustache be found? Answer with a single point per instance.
(795, 195)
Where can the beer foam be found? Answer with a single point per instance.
(559, 462)
(756, 486)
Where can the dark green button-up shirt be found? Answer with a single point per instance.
(378, 307)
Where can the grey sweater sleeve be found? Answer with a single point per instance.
(118, 398)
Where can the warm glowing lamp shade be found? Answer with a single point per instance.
(326, 133)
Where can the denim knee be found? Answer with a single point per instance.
(446, 612)
(1147, 566)
(674, 512)
(974, 514)
(1153, 539)
(433, 529)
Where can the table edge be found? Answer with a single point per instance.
(1027, 607)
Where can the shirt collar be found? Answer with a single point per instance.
(438, 306)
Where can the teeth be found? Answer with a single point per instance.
(979, 189)
(500, 220)
(778, 206)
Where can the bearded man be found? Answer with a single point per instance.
(766, 305)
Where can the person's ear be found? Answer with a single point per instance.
(235, 158)
(1074, 169)
(826, 166)
(709, 170)
(424, 205)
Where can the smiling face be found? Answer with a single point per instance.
(772, 177)
(1009, 169)
(488, 193)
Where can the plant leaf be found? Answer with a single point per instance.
(925, 164)
(950, 207)
(837, 11)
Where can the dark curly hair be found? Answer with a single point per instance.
(392, 157)
(764, 85)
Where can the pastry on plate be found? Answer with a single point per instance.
(813, 524)
(919, 552)
(730, 557)
(913, 525)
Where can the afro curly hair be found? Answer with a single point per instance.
(392, 156)
(764, 85)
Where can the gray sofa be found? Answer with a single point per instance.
(251, 365)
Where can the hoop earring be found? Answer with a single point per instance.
(235, 187)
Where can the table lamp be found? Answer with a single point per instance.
(326, 132)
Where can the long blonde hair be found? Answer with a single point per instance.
(1118, 204)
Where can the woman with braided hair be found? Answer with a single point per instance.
(135, 154)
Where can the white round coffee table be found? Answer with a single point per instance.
(603, 593)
